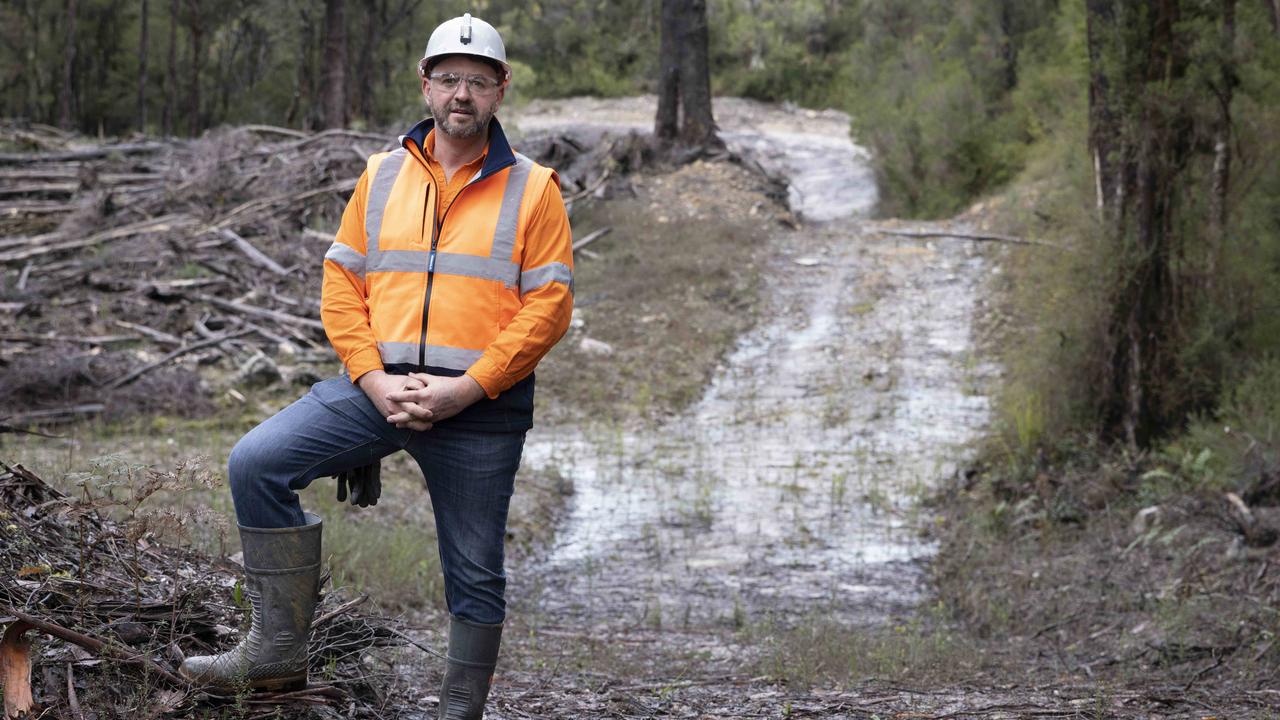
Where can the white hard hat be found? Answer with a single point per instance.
(466, 35)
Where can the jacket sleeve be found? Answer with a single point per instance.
(546, 297)
(344, 300)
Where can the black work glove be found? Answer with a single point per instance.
(365, 482)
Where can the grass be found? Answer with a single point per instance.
(816, 651)
(388, 551)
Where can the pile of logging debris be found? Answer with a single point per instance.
(97, 614)
(126, 266)
(118, 259)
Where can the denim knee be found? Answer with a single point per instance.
(478, 598)
(255, 484)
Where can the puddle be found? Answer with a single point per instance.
(790, 488)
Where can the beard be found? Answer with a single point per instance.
(467, 127)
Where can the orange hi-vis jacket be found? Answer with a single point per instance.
(486, 290)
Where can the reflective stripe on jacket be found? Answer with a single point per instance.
(487, 291)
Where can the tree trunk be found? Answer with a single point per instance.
(697, 126)
(666, 122)
(171, 74)
(1225, 91)
(1274, 6)
(142, 70)
(364, 68)
(196, 28)
(335, 61)
(65, 94)
(1140, 139)
(1104, 131)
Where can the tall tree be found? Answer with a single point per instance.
(685, 89)
(196, 27)
(666, 122)
(1224, 90)
(697, 126)
(168, 112)
(66, 91)
(143, 40)
(1139, 145)
(334, 112)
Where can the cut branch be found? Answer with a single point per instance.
(15, 670)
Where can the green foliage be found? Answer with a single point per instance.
(1227, 288)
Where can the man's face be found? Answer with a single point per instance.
(461, 112)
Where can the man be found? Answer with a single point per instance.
(449, 279)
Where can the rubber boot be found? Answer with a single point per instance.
(468, 672)
(282, 579)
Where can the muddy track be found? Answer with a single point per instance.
(790, 488)
(789, 491)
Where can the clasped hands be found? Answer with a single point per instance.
(419, 400)
(415, 401)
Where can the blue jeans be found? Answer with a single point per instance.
(470, 475)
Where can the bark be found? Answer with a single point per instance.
(143, 39)
(334, 113)
(171, 73)
(666, 122)
(697, 126)
(65, 92)
(1274, 6)
(1224, 90)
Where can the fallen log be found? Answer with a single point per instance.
(89, 154)
(166, 223)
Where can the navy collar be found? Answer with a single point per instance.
(500, 153)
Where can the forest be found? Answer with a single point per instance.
(1085, 192)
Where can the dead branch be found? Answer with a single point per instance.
(252, 207)
(154, 334)
(961, 235)
(89, 154)
(167, 223)
(95, 645)
(61, 413)
(130, 377)
(253, 253)
(268, 129)
(591, 237)
(341, 609)
(253, 310)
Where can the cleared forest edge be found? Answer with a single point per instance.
(164, 286)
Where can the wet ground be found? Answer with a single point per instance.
(790, 488)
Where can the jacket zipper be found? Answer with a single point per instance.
(436, 229)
